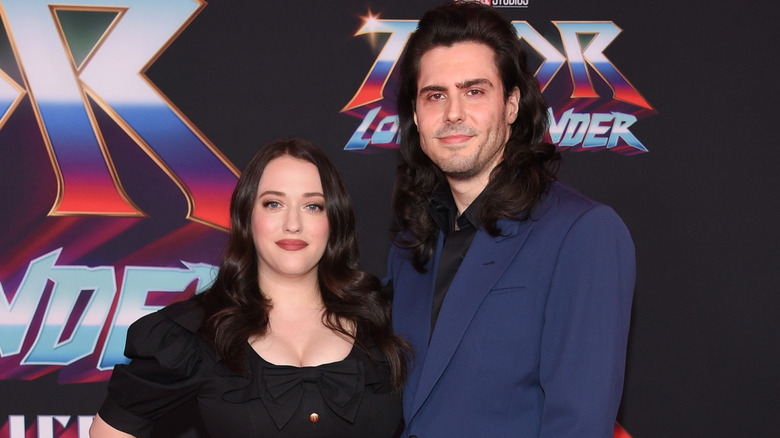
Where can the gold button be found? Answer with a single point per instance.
(314, 417)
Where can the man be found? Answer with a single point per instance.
(513, 289)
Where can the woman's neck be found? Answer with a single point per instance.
(288, 292)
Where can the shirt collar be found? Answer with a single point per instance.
(444, 211)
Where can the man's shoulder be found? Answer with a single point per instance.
(564, 203)
(567, 197)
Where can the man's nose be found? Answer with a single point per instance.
(454, 110)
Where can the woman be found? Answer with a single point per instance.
(291, 340)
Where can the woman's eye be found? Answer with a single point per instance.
(271, 204)
(315, 207)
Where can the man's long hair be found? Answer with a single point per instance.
(235, 308)
(529, 163)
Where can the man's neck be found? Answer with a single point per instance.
(464, 192)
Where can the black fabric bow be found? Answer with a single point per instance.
(341, 383)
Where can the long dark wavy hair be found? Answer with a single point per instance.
(529, 163)
(236, 310)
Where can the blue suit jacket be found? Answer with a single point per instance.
(531, 338)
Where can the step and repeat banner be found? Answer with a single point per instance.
(124, 126)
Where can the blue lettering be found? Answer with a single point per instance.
(68, 283)
(596, 130)
(17, 315)
(358, 141)
(385, 134)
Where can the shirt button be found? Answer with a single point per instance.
(314, 417)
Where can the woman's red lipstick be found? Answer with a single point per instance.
(292, 244)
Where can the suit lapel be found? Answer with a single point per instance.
(485, 261)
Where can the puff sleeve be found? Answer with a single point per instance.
(163, 373)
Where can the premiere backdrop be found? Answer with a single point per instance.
(124, 126)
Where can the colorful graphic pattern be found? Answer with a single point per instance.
(581, 118)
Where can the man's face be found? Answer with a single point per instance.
(461, 112)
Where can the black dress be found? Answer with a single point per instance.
(170, 366)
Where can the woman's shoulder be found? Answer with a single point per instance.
(173, 327)
(187, 314)
(374, 362)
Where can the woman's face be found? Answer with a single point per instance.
(289, 223)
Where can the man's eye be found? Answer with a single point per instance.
(474, 92)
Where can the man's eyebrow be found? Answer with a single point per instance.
(430, 88)
(472, 82)
(460, 85)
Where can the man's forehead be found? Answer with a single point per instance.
(458, 64)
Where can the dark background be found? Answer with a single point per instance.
(702, 204)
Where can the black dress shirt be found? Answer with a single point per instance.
(457, 240)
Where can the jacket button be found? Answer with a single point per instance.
(314, 417)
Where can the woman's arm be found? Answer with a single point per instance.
(101, 429)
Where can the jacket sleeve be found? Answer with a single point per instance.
(585, 332)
